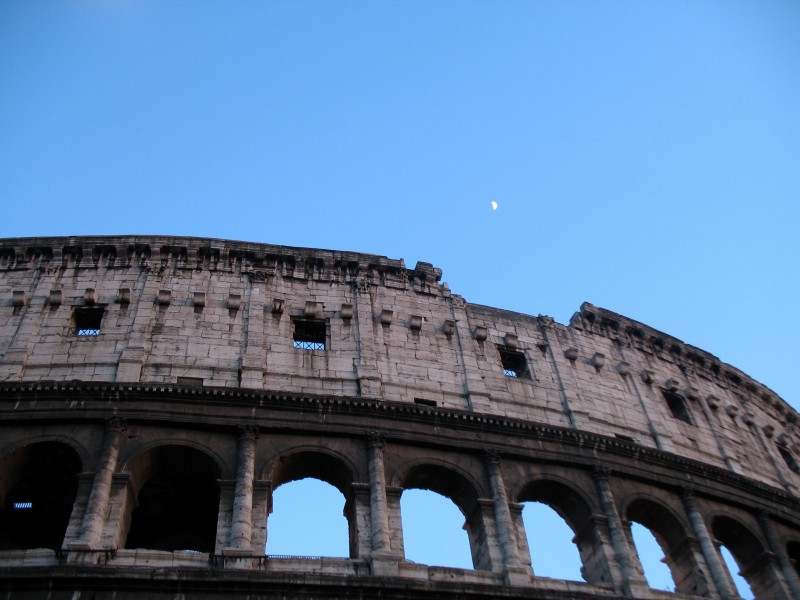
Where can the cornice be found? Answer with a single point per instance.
(591, 449)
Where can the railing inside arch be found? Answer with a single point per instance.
(297, 556)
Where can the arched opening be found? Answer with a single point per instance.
(178, 500)
(307, 486)
(556, 513)
(554, 552)
(652, 558)
(433, 530)
(308, 519)
(739, 582)
(38, 484)
(744, 552)
(456, 488)
(663, 541)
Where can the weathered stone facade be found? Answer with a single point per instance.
(209, 372)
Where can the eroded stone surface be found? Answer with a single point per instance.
(317, 354)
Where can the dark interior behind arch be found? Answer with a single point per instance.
(38, 484)
(178, 500)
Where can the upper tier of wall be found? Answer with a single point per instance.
(189, 311)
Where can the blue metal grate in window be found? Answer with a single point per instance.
(304, 345)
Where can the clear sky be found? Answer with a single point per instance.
(645, 156)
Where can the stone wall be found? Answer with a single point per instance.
(257, 364)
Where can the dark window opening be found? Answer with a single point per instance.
(309, 335)
(677, 407)
(425, 402)
(87, 321)
(625, 438)
(514, 364)
(191, 381)
(788, 459)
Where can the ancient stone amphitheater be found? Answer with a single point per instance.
(154, 391)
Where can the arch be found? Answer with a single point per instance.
(670, 532)
(456, 486)
(178, 500)
(443, 478)
(84, 456)
(313, 462)
(38, 485)
(747, 550)
(571, 505)
(325, 466)
(131, 460)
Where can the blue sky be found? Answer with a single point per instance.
(645, 156)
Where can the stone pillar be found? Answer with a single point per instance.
(242, 520)
(97, 507)
(633, 584)
(515, 572)
(522, 541)
(383, 560)
(379, 519)
(719, 573)
(789, 574)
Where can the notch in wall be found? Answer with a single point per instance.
(56, 297)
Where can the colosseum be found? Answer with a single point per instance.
(155, 391)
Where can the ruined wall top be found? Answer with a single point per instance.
(205, 254)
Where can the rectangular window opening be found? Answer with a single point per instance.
(309, 334)
(514, 363)
(677, 406)
(191, 381)
(87, 321)
(425, 402)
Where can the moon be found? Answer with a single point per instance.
(494, 205)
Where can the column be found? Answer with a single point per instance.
(502, 513)
(632, 582)
(242, 519)
(719, 573)
(97, 507)
(789, 574)
(379, 514)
